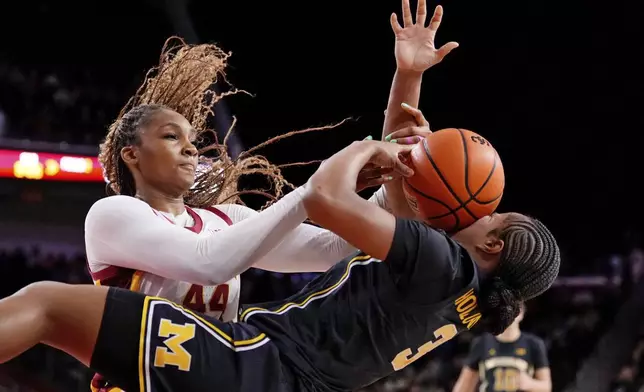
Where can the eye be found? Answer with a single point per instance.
(170, 136)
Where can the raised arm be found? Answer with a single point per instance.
(415, 53)
(125, 232)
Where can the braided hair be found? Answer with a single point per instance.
(184, 82)
(528, 266)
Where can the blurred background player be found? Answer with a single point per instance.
(509, 362)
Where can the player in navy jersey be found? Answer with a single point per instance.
(411, 290)
(512, 361)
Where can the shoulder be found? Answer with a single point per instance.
(115, 208)
(117, 202)
(533, 340)
(531, 337)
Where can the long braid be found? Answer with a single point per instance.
(528, 266)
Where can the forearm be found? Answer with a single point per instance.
(306, 249)
(405, 88)
(130, 235)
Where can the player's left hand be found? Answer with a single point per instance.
(415, 49)
(414, 134)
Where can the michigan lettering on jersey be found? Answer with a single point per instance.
(467, 309)
(174, 354)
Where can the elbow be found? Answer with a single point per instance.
(210, 274)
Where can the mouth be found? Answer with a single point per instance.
(188, 166)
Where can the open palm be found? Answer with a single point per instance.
(415, 48)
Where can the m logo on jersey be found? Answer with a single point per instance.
(174, 353)
(467, 308)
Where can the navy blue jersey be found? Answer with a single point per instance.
(500, 363)
(366, 318)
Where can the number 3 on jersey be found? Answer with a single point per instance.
(442, 334)
(194, 299)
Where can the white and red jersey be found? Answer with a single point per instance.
(219, 301)
(195, 258)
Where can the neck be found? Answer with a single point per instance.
(162, 202)
(511, 334)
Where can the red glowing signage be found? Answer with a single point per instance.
(29, 165)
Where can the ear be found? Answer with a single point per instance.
(129, 154)
(492, 246)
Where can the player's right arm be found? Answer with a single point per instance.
(125, 232)
(469, 377)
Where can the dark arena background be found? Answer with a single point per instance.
(557, 87)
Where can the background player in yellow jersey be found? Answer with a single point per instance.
(511, 361)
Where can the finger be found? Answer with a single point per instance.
(421, 132)
(395, 26)
(406, 12)
(379, 181)
(436, 19)
(367, 167)
(400, 164)
(421, 13)
(403, 169)
(408, 140)
(375, 173)
(445, 49)
(421, 121)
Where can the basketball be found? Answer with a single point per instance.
(458, 178)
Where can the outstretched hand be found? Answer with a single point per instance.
(415, 48)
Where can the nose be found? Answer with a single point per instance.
(190, 150)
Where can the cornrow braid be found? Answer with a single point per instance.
(528, 266)
(123, 133)
(184, 82)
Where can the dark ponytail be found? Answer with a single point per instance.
(528, 266)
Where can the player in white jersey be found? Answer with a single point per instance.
(195, 258)
(166, 232)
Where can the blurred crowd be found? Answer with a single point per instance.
(55, 104)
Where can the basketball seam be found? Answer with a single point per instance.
(467, 176)
(451, 212)
(449, 188)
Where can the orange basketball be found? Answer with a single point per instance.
(458, 179)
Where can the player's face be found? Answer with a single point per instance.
(166, 157)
